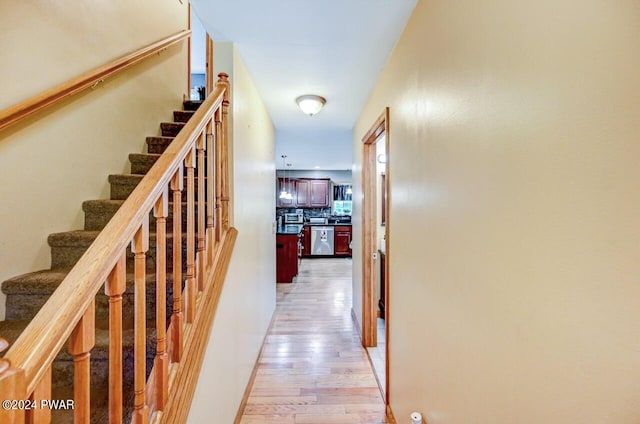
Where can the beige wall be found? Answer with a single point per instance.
(52, 162)
(515, 217)
(248, 297)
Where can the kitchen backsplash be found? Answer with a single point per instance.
(308, 212)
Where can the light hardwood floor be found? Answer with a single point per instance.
(313, 368)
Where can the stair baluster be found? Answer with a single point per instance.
(177, 317)
(81, 342)
(114, 288)
(201, 257)
(190, 164)
(210, 199)
(161, 362)
(139, 247)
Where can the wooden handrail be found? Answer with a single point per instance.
(36, 348)
(26, 108)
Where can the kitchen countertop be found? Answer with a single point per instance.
(294, 229)
(290, 230)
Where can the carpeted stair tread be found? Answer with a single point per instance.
(142, 162)
(158, 144)
(83, 238)
(171, 129)
(44, 281)
(191, 104)
(182, 115)
(75, 238)
(27, 293)
(101, 205)
(47, 281)
(122, 185)
(11, 330)
(98, 213)
(67, 248)
(117, 178)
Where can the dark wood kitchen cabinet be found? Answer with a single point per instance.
(286, 257)
(302, 193)
(306, 193)
(342, 239)
(319, 194)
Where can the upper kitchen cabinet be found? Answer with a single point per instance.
(306, 193)
(319, 193)
(302, 194)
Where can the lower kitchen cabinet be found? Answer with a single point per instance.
(286, 257)
(306, 241)
(342, 240)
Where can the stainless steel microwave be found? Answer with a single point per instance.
(293, 218)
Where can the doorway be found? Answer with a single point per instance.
(200, 81)
(375, 242)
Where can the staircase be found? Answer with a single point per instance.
(27, 293)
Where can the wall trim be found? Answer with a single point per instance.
(356, 323)
(247, 390)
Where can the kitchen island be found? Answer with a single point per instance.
(295, 241)
(288, 252)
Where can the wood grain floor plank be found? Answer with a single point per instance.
(313, 369)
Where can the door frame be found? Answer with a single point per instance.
(369, 240)
(208, 73)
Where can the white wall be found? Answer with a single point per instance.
(248, 297)
(307, 149)
(198, 45)
(58, 158)
(515, 215)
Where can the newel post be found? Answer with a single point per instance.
(223, 79)
(81, 341)
(12, 386)
(217, 175)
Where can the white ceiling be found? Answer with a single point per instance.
(333, 48)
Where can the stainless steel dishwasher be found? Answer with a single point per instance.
(322, 240)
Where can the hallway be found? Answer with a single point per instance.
(313, 368)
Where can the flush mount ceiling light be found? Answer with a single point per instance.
(310, 103)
